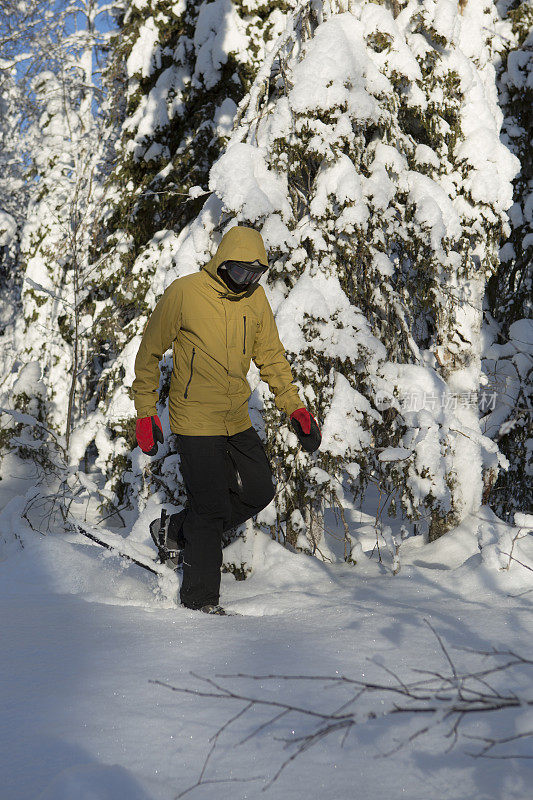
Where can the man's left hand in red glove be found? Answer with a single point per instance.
(306, 429)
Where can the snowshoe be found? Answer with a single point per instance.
(121, 547)
(212, 609)
(170, 552)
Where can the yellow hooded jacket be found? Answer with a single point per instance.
(214, 333)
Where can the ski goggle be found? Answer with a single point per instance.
(244, 272)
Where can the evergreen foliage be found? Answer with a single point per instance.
(381, 197)
(177, 73)
(509, 352)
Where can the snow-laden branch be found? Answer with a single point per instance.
(249, 106)
(40, 288)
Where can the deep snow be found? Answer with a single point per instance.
(84, 633)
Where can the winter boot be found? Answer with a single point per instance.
(170, 550)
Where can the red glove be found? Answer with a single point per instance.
(304, 417)
(149, 432)
(306, 429)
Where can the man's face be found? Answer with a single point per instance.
(240, 275)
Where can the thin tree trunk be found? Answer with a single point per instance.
(458, 354)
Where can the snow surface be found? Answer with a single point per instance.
(85, 634)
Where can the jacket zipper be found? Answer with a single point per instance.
(190, 376)
(244, 339)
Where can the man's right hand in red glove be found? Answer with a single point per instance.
(149, 432)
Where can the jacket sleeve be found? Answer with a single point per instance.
(269, 356)
(159, 333)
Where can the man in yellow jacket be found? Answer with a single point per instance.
(216, 320)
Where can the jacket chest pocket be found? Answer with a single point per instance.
(247, 332)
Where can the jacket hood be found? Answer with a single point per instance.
(238, 244)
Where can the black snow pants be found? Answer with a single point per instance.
(228, 480)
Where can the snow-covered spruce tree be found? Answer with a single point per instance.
(177, 73)
(368, 156)
(51, 334)
(509, 329)
(462, 122)
(179, 70)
